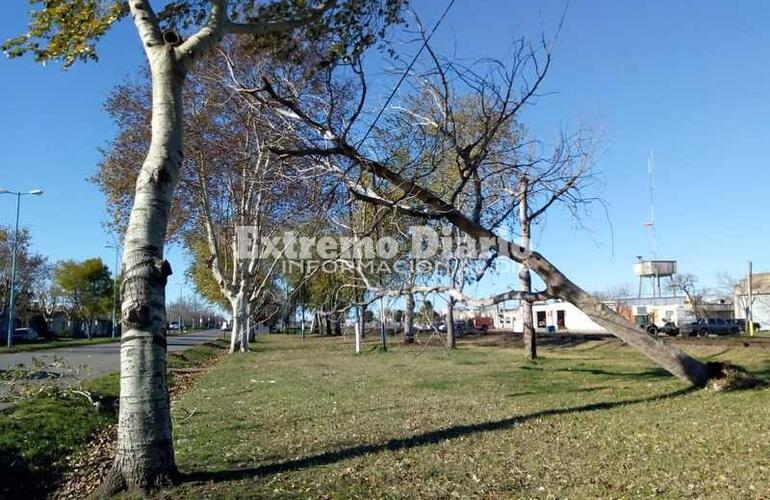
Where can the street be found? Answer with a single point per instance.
(91, 360)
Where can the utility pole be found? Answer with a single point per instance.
(181, 284)
(35, 192)
(750, 316)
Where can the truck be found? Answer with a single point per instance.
(663, 319)
(482, 323)
(710, 326)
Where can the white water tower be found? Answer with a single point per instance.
(652, 271)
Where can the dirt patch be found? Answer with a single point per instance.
(89, 465)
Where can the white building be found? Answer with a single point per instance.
(561, 316)
(760, 287)
(552, 315)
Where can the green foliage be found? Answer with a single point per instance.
(200, 274)
(66, 30)
(86, 286)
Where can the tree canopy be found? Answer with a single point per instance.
(68, 31)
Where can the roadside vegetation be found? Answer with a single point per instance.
(587, 419)
(37, 433)
(55, 344)
(60, 342)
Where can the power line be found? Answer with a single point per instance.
(408, 69)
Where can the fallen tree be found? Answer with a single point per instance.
(333, 145)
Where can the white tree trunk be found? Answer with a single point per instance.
(145, 455)
(238, 331)
(409, 319)
(450, 324)
(525, 277)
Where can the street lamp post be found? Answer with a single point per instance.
(35, 192)
(114, 291)
(181, 300)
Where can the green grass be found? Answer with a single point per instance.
(55, 344)
(37, 433)
(58, 343)
(591, 420)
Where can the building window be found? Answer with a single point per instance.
(560, 321)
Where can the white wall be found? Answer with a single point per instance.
(761, 310)
(574, 319)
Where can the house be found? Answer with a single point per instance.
(551, 315)
(561, 316)
(760, 291)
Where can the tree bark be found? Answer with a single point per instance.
(144, 457)
(450, 324)
(362, 319)
(409, 319)
(525, 278)
(238, 336)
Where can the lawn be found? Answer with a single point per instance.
(37, 433)
(592, 419)
(58, 343)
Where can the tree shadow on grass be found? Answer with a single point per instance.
(559, 391)
(424, 439)
(641, 375)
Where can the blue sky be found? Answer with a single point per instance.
(687, 79)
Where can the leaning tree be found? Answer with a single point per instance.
(508, 88)
(173, 40)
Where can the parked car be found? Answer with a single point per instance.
(461, 327)
(669, 328)
(710, 326)
(24, 334)
(173, 325)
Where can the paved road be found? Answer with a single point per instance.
(98, 359)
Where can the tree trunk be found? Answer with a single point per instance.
(238, 336)
(362, 319)
(249, 326)
(328, 325)
(667, 356)
(358, 329)
(450, 323)
(409, 319)
(525, 278)
(144, 458)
